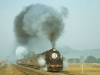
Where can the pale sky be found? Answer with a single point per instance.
(82, 27)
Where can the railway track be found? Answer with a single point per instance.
(27, 71)
(32, 71)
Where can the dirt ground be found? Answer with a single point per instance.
(9, 70)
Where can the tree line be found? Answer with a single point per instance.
(88, 59)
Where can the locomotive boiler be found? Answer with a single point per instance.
(51, 60)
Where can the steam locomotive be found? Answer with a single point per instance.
(51, 60)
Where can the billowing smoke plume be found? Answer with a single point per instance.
(22, 36)
(39, 21)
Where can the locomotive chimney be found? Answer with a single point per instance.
(53, 49)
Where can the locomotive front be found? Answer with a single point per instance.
(53, 60)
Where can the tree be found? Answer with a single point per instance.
(77, 60)
(71, 60)
(91, 59)
(98, 60)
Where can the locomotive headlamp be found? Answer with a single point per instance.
(54, 55)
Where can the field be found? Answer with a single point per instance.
(72, 69)
(84, 68)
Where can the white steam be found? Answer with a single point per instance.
(65, 63)
(43, 68)
(41, 61)
(21, 52)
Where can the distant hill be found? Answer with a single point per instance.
(71, 53)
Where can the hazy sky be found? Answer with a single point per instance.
(82, 28)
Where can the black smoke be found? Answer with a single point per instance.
(39, 21)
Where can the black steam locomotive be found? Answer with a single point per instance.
(51, 60)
